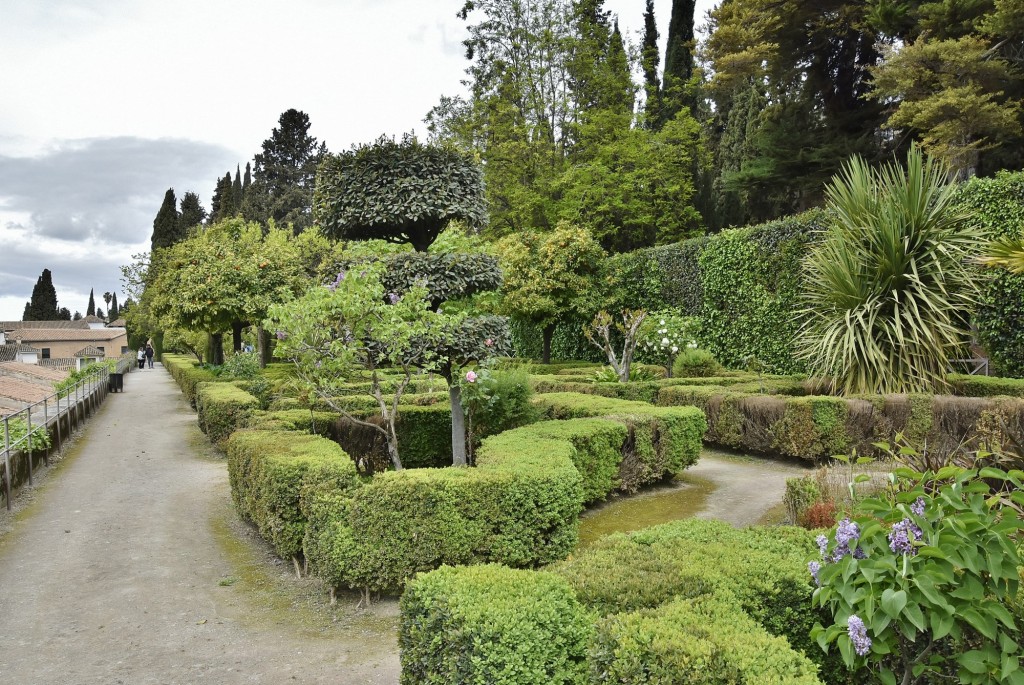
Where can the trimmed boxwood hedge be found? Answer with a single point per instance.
(268, 470)
(223, 408)
(985, 386)
(424, 434)
(494, 625)
(187, 373)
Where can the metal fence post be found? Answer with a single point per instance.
(28, 442)
(60, 443)
(46, 427)
(7, 461)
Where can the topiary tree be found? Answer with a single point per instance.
(398, 191)
(550, 275)
(406, 192)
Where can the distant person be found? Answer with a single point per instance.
(142, 358)
(248, 348)
(149, 355)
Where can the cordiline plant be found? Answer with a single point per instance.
(918, 580)
(887, 287)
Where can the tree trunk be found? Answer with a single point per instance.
(236, 336)
(216, 354)
(458, 425)
(392, 440)
(548, 333)
(263, 346)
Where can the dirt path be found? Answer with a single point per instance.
(128, 566)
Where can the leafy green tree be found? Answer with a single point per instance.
(550, 275)
(227, 273)
(192, 214)
(43, 305)
(284, 174)
(91, 309)
(888, 290)
(64, 314)
(166, 225)
(398, 191)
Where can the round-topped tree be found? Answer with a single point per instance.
(398, 191)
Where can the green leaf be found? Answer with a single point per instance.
(941, 624)
(893, 602)
(887, 677)
(973, 661)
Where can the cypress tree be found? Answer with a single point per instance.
(236, 190)
(166, 229)
(223, 204)
(678, 59)
(247, 179)
(64, 314)
(114, 312)
(192, 212)
(651, 60)
(77, 316)
(91, 309)
(43, 305)
(100, 314)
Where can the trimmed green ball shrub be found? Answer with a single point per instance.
(494, 625)
(690, 363)
(268, 470)
(222, 409)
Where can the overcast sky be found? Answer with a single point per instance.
(108, 103)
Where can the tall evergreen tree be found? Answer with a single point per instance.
(166, 228)
(43, 305)
(236, 190)
(247, 179)
(192, 212)
(100, 314)
(650, 61)
(284, 174)
(77, 316)
(223, 203)
(115, 311)
(64, 314)
(91, 309)
(678, 59)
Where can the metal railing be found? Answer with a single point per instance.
(70, 405)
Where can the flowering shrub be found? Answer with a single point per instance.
(664, 334)
(496, 401)
(918, 580)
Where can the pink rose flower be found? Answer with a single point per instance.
(470, 377)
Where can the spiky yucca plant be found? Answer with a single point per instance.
(888, 288)
(1007, 253)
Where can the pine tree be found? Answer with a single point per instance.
(43, 305)
(651, 60)
(166, 229)
(77, 316)
(64, 314)
(223, 203)
(678, 59)
(91, 309)
(285, 173)
(99, 313)
(192, 212)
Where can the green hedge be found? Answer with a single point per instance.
(223, 408)
(424, 434)
(763, 571)
(704, 640)
(187, 373)
(662, 441)
(303, 420)
(268, 470)
(494, 625)
(517, 508)
(985, 386)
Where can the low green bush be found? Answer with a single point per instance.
(691, 362)
(222, 409)
(640, 391)
(494, 625)
(985, 386)
(187, 374)
(268, 470)
(663, 441)
(707, 640)
(302, 420)
(812, 427)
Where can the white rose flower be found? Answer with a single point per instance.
(674, 349)
(664, 342)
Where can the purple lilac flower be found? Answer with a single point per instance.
(902, 537)
(858, 635)
(918, 507)
(393, 298)
(337, 281)
(281, 335)
(846, 533)
(822, 545)
(814, 567)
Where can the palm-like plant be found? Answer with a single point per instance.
(1007, 253)
(888, 288)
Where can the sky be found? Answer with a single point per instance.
(107, 103)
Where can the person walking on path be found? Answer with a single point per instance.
(142, 358)
(149, 355)
(116, 572)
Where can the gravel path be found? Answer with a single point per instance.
(128, 566)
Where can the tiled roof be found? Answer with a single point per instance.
(117, 323)
(90, 351)
(10, 351)
(23, 391)
(18, 325)
(33, 370)
(92, 318)
(66, 363)
(55, 335)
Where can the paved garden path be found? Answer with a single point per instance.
(128, 566)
